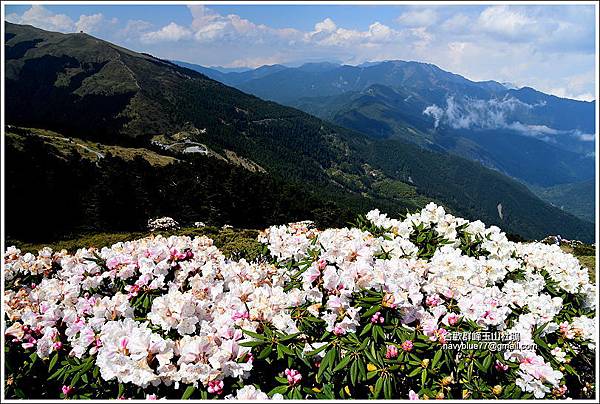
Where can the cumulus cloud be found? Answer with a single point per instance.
(507, 22)
(169, 33)
(544, 47)
(133, 30)
(209, 26)
(418, 17)
(90, 23)
(41, 17)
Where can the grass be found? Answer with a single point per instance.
(233, 243)
(67, 146)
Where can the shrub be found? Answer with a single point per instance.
(427, 306)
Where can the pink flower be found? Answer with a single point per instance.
(412, 395)
(151, 397)
(453, 319)
(441, 335)
(407, 345)
(176, 255)
(339, 330)
(238, 314)
(57, 346)
(377, 318)
(500, 367)
(433, 300)
(321, 264)
(133, 290)
(215, 386)
(293, 376)
(67, 390)
(392, 352)
(30, 342)
(561, 391)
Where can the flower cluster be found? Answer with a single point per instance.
(162, 223)
(379, 302)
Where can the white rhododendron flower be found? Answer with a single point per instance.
(176, 312)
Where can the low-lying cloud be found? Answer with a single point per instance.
(468, 113)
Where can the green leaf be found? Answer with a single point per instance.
(53, 361)
(487, 362)
(316, 351)
(423, 377)
(387, 388)
(188, 392)
(362, 370)
(254, 335)
(378, 387)
(286, 350)
(289, 337)
(327, 361)
(437, 357)
(366, 329)
(342, 363)
(354, 372)
(265, 352)
(57, 373)
(414, 372)
(278, 390)
(252, 344)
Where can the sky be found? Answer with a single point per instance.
(548, 47)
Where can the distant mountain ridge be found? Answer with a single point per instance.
(84, 87)
(539, 139)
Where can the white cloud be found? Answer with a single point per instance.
(90, 23)
(469, 113)
(457, 23)
(327, 25)
(133, 30)
(210, 26)
(418, 17)
(169, 33)
(41, 17)
(506, 22)
(545, 47)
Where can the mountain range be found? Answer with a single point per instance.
(92, 93)
(539, 139)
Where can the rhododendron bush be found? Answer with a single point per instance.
(426, 306)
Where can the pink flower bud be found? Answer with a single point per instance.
(215, 386)
(376, 318)
(67, 390)
(407, 345)
(293, 376)
(392, 352)
(500, 367)
(321, 264)
(57, 346)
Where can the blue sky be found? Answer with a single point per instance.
(549, 47)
